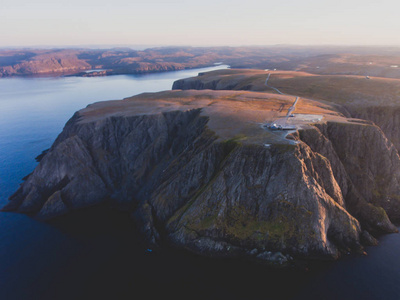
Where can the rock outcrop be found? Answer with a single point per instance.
(194, 171)
(385, 116)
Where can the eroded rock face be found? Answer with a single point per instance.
(268, 199)
(186, 185)
(367, 171)
(386, 117)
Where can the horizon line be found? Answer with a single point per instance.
(150, 46)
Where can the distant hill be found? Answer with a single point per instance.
(366, 61)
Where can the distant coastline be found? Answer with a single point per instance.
(366, 61)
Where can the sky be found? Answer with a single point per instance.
(199, 23)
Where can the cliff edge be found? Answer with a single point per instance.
(198, 170)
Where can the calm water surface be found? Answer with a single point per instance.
(95, 254)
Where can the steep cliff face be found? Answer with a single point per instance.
(229, 79)
(187, 185)
(268, 200)
(370, 186)
(187, 84)
(212, 83)
(110, 158)
(385, 116)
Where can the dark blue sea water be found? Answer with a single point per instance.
(98, 254)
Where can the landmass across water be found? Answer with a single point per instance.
(364, 61)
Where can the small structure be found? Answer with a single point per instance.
(275, 126)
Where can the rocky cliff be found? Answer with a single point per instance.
(387, 117)
(197, 170)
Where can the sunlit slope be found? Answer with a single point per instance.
(341, 89)
(232, 114)
(372, 98)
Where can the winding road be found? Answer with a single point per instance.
(282, 122)
(271, 87)
(293, 107)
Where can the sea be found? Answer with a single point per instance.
(97, 253)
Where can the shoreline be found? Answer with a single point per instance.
(103, 73)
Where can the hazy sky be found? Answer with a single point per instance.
(199, 23)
